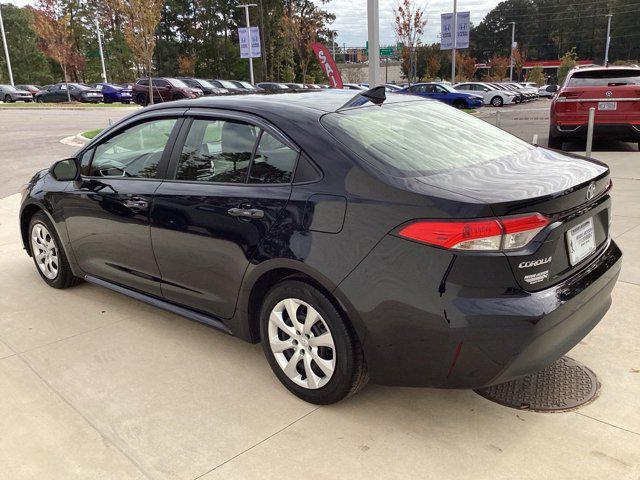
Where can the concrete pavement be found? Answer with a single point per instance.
(94, 385)
(30, 138)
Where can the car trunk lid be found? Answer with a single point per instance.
(570, 191)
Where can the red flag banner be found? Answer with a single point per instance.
(328, 65)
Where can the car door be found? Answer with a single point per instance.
(107, 211)
(231, 178)
(161, 90)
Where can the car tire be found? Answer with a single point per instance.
(497, 101)
(108, 100)
(8, 99)
(39, 100)
(49, 258)
(321, 363)
(141, 99)
(459, 104)
(554, 142)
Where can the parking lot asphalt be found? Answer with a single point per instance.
(94, 385)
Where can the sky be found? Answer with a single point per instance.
(351, 17)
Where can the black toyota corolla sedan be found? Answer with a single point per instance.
(394, 239)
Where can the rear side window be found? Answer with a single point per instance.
(604, 78)
(217, 151)
(274, 161)
(420, 137)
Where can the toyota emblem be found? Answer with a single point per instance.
(608, 93)
(591, 191)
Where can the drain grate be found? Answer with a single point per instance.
(563, 385)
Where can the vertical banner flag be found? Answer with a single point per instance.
(244, 42)
(446, 27)
(328, 65)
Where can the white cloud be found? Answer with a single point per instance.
(351, 18)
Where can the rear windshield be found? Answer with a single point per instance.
(604, 78)
(420, 138)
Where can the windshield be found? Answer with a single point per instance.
(8, 88)
(205, 84)
(420, 137)
(78, 86)
(227, 84)
(177, 83)
(448, 88)
(246, 85)
(605, 78)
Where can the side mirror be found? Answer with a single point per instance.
(168, 87)
(552, 88)
(65, 170)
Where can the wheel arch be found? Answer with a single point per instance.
(264, 276)
(26, 215)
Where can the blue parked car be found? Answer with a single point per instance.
(113, 93)
(444, 93)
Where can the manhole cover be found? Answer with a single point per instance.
(564, 385)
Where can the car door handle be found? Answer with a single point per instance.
(246, 212)
(136, 203)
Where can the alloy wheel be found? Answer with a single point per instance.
(45, 251)
(301, 343)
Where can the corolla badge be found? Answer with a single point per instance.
(534, 263)
(591, 191)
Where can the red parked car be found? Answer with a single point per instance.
(32, 89)
(165, 89)
(615, 94)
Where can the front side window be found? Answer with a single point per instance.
(134, 153)
(217, 151)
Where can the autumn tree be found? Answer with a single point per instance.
(53, 28)
(409, 23)
(518, 57)
(536, 75)
(499, 66)
(303, 21)
(187, 65)
(466, 65)
(140, 20)
(568, 61)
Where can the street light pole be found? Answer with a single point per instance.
(606, 48)
(513, 39)
(374, 42)
(246, 14)
(454, 35)
(104, 70)
(6, 48)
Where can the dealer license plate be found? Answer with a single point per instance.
(581, 241)
(607, 105)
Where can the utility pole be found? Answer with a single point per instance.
(104, 70)
(333, 46)
(454, 35)
(246, 15)
(513, 39)
(265, 69)
(374, 42)
(606, 48)
(6, 48)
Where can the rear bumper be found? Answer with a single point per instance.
(419, 327)
(619, 131)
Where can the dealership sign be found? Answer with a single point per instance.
(328, 65)
(244, 42)
(446, 28)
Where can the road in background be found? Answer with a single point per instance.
(30, 139)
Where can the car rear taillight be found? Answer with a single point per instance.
(505, 233)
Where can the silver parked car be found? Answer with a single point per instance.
(10, 94)
(490, 94)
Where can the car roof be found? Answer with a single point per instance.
(601, 67)
(314, 103)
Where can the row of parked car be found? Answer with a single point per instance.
(163, 88)
(462, 95)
